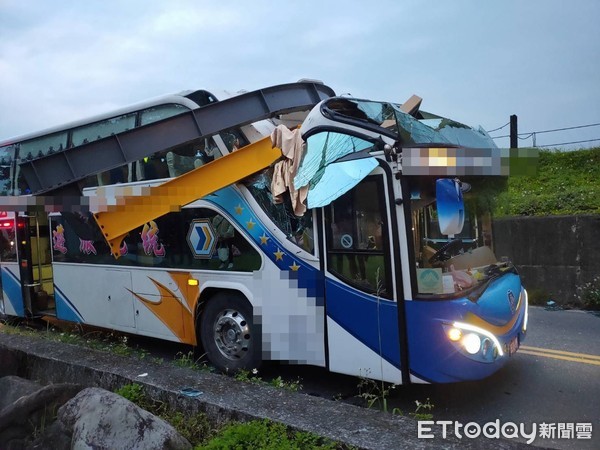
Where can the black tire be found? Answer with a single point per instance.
(230, 339)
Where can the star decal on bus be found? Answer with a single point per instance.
(250, 224)
(263, 239)
(278, 255)
(238, 209)
(295, 267)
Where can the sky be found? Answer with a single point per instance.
(475, 62)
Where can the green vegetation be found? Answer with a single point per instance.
(189, 361)
(265, 435)
(566, 183)
(248, 376)
(196, 428)
(376, 394)
(590, 294)
(200, 432)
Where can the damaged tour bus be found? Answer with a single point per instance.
(349, 234)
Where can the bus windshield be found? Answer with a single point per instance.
(458, 264)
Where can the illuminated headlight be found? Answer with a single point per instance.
(454, 334)
(472, 343)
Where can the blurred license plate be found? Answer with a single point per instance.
(513, 346)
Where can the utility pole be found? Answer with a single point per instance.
(514, 139)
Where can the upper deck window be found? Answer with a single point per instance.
(161, 112)
(42, 146)
(105, 128)
(7, 155)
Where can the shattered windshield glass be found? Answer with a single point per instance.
(422, 128)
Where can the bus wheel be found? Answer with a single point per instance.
(228, 334)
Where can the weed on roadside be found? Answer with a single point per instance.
(196, 428)
(374, 393)
(266, 435)
(420, 413)
(589, 294)
(189, 361)
(251, 376)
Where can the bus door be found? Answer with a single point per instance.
(11, 293)
(361, 296)
(35, 264)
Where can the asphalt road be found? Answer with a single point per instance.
(553, 379)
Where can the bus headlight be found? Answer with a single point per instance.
(454, 334)
(472, 343)
(475, 342)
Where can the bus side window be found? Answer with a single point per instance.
(357, 248)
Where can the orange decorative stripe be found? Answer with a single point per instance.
(179, 318)
(473, 319)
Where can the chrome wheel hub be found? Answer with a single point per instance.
(232, 334)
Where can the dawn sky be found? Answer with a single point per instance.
(475, 62)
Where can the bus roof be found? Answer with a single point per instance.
(182, 98)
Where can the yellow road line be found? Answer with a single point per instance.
(561, 352)
(580, 359)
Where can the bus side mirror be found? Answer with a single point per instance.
(450, 206)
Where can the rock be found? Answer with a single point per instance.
(13, 387)
(99, 419)
(53, 437)
(9, 363)
(31, 412)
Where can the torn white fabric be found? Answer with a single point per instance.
(292, 147)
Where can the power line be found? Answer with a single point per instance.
(566, 143)
(563, 129)
(532, 133)
(525, 137)
(499, 128)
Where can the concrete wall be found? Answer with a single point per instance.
(555, 254)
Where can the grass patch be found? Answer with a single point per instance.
(265, 435)
(202, 434)
(251, 376)
(567, 183)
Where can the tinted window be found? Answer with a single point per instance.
(7, 156)
(357, 244)
(196, 238)
(105, 128)
(161, 112)
(47, 145)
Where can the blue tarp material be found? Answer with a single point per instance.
(323, 149)
(337, 179)
(328, 180)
